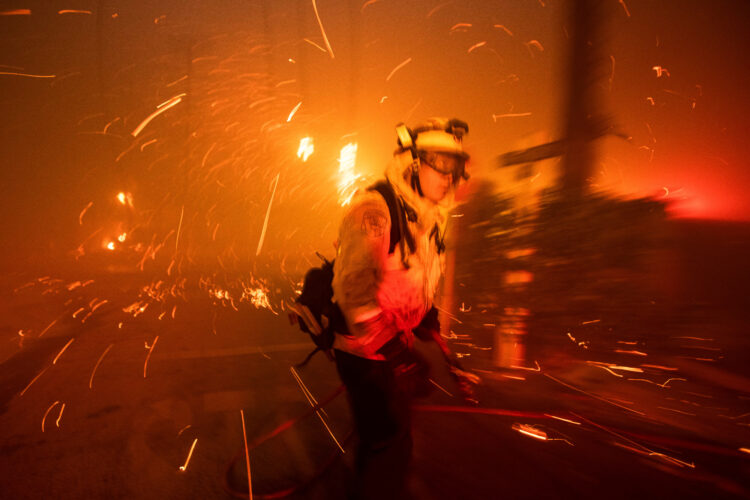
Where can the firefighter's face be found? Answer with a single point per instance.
(435, 185)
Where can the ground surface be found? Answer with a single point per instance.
(568, 426)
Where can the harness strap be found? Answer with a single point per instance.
(398, 212)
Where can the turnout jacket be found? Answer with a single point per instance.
(385, 295)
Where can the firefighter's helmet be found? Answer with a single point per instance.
(438, 143)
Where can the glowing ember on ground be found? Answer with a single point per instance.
(183, 467)
(530, 431)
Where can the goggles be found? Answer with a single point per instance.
(445, 163)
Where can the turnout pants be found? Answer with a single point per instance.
(380, 395)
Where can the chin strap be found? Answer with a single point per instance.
(415, 184)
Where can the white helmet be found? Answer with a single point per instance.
(438, 143)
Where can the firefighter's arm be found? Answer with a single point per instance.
(363, 249)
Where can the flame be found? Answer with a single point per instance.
(258, 297)
(122, 237)
(306, 148)
(347, 176)
(124, 198)
(110, 245)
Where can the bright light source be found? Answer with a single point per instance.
(347, 176)
(306, 148)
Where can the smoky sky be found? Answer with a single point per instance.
(676, 84)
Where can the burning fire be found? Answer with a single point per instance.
(306, 148)
(347, 176)
(124, 198)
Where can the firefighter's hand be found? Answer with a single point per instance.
(429, 327)
(466, 382)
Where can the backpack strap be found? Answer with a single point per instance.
(396, 210)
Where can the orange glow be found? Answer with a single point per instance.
(535, 44)
(48, 327)
(47, 412)
(83, 212)
(562, 419)
(660, 367)
(506, 30)
(32, 381)
(509, 115)
(476, 46)
(148, 356)
(27, 75)
(625, 7)
(16, 12)
(147, 143)
(62, 409)
(247, 456)
(636, 353)
(537, 369)
(73, 11)
(169, 103)
(322, 31)
(96, 306)
(393, 71)
(530, 431)
(190, 454)
(314, 44)
(293, 112)
(91, 380)
(62, 351)
(268, 213)
(517, 277)
(615, 367)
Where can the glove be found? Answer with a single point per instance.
(464, 380)
(429, 326)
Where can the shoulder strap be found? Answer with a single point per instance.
(386, 191)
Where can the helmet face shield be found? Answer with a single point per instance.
(445, 163)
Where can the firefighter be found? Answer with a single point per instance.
(385, 283)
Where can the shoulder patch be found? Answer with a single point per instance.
(373, 223)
